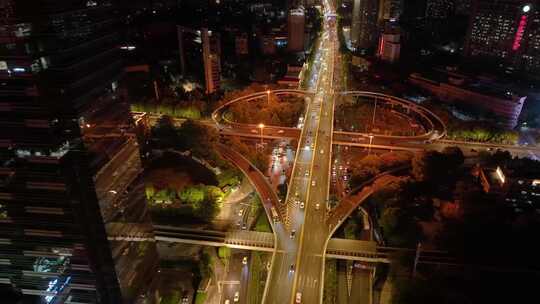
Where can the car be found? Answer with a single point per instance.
(254, 131)
(298, 298)
(296, 193)
(293, 233)
(236, 296)
(240, 212)
(291, 268)
(313, 183)
(185, 297)
(244, 260)
(307, 173)
(281, 132)
(317, 206)
(322, 151)
(302, 205)
(244, 226)
(227, 301)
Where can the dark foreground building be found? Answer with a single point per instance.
(73, 222)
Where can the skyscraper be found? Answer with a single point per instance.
(508, 30)
(295, 29)
(364, 31)
(389, 10)
(201, 48)
(70, 185)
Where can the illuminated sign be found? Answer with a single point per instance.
(54, 287)
(519, 33)
(500, 175)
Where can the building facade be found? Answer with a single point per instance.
(389, 47)
(488, 96)
(364, 29)
(71, 194)
(200, 48)
(295, 30)
(507, 30)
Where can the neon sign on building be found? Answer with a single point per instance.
(521, 28)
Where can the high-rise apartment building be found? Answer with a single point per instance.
(364, 30)
(508, 30)
(390, 10)
(389, 46)
(70, 185)
(201, 48)
(295, 30)
(439, 9)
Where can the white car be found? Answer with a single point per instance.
(317, 206)
(298, 298)
(302, 205)
(236, 296)
(293, 233)
(244, 260)
(227, 301)
(313, 183)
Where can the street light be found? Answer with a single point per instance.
(370, 141)
(261, 126)
(374, 109)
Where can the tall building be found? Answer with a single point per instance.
(364, 30)
(241, 44)
(508, 30)
(439, 9)
(70, 184)
(390, 10)
(389, 47)
(295, 30)
(201, 48)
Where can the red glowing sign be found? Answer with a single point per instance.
(519, 33)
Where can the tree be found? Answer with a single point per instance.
(428, 166)
(454, 155)
(206, 210)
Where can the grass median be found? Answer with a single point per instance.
(330, 282)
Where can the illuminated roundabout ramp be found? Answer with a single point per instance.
(433, 127)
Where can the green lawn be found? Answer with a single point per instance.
(330, 282)
(262, 224)
(200, 297)
(257, 278)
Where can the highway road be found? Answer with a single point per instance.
(298, 271)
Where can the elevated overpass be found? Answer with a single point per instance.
(337, 248)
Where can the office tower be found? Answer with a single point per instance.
(389, 46)
(364, 31)
(70, 185)
(200, 48)
(241, 44)
(389, 10)
(295, 30)
(507, 30)
(439, 9)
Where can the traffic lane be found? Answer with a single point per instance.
(279, 290)
(361, 287)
